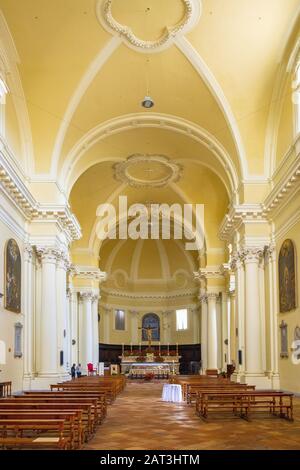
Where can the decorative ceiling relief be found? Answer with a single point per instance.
(168, 33)
(144, 171)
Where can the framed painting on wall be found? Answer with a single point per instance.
(12, 300)
(287, 277)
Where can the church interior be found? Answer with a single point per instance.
(113, 107)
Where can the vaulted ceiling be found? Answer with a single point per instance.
(84, 74)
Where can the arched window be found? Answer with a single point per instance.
(151, 320)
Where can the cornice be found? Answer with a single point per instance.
(210, 272)
(17, 192)
(88, 272)
(146, 296)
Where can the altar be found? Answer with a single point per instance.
(140, 366)
(157, 370)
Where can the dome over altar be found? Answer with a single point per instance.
(145, 266)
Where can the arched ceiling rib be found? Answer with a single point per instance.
(67, 80)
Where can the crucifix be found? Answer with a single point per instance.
(148, 330)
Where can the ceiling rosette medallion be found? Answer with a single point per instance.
(144, 171)
(192, 13)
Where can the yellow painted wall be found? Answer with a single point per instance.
(189, 336)
(290, 373)
(13, 369)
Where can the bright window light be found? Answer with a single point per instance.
(120, 320)
(181, 319)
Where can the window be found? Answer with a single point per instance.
(181, 319)
(120, 320)
(18, 340)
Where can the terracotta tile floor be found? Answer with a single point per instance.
(140, 420)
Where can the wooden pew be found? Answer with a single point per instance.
(12, 434)
(71, 419)
(244, 402)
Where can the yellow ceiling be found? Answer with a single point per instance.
(77, 77)
(57, 41)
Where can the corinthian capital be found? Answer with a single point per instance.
(252, 255)
(86, 296)
(212, 296)
(48, 255)
(28, 253)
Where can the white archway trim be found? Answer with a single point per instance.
(10, 58)
(146, 120)
(211, 82)
(84, 84)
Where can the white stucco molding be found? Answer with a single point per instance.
(192, 13)
(146, 120)
(31, 210)
(89, 272)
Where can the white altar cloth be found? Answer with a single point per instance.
(172, 392)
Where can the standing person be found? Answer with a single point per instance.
(73, 371)
(78, 371)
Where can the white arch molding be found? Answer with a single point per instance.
(145, 120)
(190, 54)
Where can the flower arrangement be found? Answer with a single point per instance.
(140, 359)
(149, 376)
(159, 359)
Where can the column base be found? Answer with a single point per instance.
(43, 381)
(27, 379)
(260, 380)
(275, 380)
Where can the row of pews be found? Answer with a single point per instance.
(212, 395)
(64, 418)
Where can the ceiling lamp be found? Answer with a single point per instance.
(147, 102)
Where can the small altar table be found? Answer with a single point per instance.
(172, 392)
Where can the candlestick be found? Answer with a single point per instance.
(176, 349)
(122, 349)
(168, 349)
(131, 347)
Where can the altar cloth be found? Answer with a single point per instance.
(172, 393)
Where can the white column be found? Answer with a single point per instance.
(29, 337)
(239, 314)
(225, 331)
(273, 316)
(204, 333)
(74, 326)
(95, 330)
(212, 331)
(232, 308)
(68, 332)
(48, 351)
(254, 373)
(62, 311)
(219, 332)
(86, 333)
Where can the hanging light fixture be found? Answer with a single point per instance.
(147, 102)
